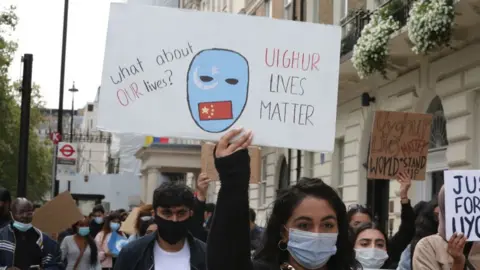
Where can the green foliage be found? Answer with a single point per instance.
(40, 153)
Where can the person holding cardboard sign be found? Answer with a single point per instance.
(435, 252)
(143, 219)
(307, 229)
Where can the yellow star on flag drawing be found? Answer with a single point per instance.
(205, 110)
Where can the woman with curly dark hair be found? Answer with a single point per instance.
(307, 228)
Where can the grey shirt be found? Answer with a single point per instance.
(70, 253)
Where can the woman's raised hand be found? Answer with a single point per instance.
(455, 248)
(226, 147)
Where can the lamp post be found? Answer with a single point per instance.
(73, 90)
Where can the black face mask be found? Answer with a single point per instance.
(171, 231)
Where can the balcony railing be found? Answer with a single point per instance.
(398, 9)
(352, 27)
(101, 137)
(356, 20)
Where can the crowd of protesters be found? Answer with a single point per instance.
(308, 228)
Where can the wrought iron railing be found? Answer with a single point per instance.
(356, 20)
(101, 137)
(352, 27)
(398, 9)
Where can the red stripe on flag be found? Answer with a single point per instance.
(220, 110)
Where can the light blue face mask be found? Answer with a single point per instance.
(83, 231)
(114, 226)
(23, 227)
(99, 220)
(311, 250)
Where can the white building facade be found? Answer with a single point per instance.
(93, 144)
(444, 84)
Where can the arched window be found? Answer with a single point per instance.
(438, 139)
(438, 134)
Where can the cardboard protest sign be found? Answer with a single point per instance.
(462, 200)
(208, 162)
(57, 215)
(128, 226)
(399, 143)
(236, 71)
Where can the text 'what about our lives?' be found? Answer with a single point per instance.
(135, 89)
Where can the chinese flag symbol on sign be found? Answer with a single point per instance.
(220, 110)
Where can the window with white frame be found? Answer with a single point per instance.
(268, 9)
(288, 9)
(340, 148)
(262, 185)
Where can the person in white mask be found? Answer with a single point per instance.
(370, 245)
(307, 228)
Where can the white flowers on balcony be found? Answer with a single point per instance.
(430, 25)
(371, 50)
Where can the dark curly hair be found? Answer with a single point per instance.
(426, 224)
(284, 205)
(171, 194)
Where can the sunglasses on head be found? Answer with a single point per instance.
(357, 206)
(146, 218)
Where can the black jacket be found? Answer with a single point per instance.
(95, 228)
(138, 255)
(196, 226)
(399, 241)
(228, 245)
(4, 221)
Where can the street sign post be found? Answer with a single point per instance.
(66, 159)
(56, 137)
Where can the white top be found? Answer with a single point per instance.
(165, 260)
(71, 251)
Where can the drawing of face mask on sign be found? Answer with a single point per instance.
(217, 88)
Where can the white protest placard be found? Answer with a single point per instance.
(462, 203)
(179, 73)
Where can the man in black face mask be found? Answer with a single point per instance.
(5, 200)
(172, 247)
